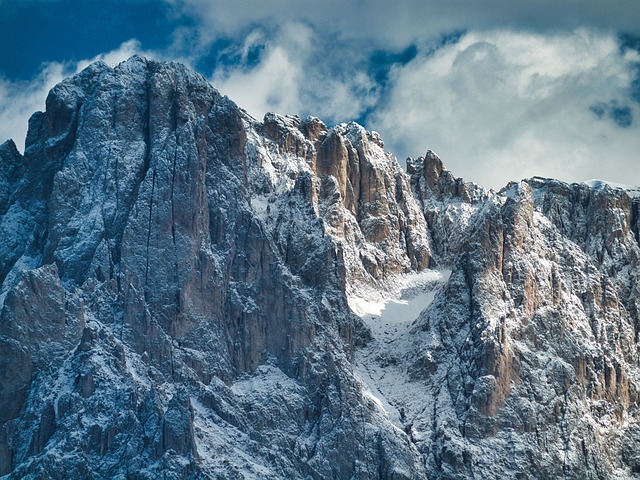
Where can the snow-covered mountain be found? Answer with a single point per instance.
(188, 292)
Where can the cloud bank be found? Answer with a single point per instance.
(502, 105)
(285, 72)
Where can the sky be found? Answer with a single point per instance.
(501, 90)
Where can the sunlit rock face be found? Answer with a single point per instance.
(188, 292)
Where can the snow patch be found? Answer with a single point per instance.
(260, 206)
(264, 382)
(402, 302)
(380, 365)
(632, 191)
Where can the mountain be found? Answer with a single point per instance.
(188, 292)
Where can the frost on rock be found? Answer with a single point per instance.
(188, 292)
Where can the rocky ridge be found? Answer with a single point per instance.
(180, 292)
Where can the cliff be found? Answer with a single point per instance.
(188, 292)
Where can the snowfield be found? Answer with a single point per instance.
(382, 366)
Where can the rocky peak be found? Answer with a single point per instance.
(11, 165)
(356, 190)
(181, 242)
(429, 172)
(448, 204)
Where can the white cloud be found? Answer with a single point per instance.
(20, 99)
(292, 77)
(273, 83)
(502, 106)
(120, 54)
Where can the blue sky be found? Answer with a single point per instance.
(501, 90)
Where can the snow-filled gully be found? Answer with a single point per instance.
(379, 365)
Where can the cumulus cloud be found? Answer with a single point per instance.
(503, 105)
(113, 57)
(20, 99)
(285, 72)
(497, 105)
(272, 83)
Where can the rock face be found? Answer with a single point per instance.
(176, 288)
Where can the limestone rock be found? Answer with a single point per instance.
(162, 245)
(180, 282)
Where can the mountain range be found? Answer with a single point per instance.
(188, 292)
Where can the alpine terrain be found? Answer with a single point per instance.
(188, 292)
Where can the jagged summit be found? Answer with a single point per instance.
(188, 292)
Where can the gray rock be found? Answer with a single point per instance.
(175, 281)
